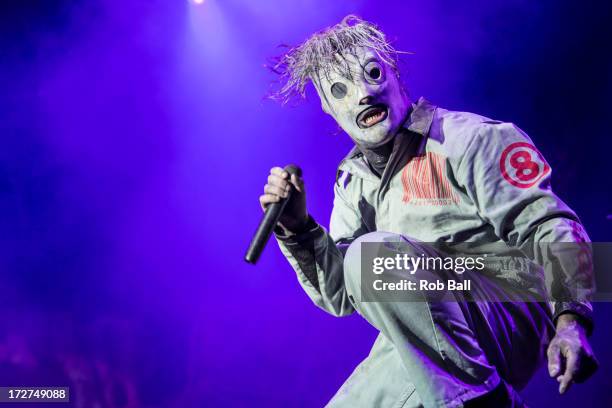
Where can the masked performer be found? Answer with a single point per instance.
(421, 173)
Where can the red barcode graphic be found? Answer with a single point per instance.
(425, 182)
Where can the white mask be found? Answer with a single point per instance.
(372, 105)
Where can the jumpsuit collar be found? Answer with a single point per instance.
(421, 117)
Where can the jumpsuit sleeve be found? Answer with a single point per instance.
(508, 179)
(318, 256)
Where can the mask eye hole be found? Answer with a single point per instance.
(338, 89)
(374, 72)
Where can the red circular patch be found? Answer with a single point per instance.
(522, 165)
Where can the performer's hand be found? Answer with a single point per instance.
(570, 357)
(295, 215)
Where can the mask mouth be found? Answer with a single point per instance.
(372, 116)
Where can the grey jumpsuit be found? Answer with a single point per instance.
(452, 177)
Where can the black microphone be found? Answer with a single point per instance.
(269, 220)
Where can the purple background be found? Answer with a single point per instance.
(136, 140)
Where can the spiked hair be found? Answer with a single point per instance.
(324, 52)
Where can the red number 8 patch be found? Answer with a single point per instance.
(522, 165)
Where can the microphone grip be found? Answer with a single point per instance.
(268, 222)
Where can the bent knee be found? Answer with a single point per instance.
(389, 241)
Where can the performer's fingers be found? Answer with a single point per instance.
(278, 181)
(277, 171)
(271, 189)
(571, 367)
(554, 360)
(266, 199)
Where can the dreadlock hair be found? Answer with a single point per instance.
(324, 52)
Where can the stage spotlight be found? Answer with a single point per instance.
(198, 1)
